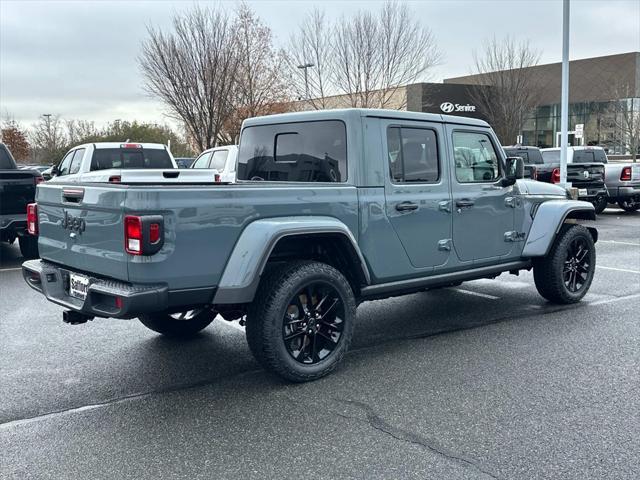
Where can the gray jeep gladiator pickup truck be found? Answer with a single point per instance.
(331, 208)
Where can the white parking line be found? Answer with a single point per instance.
(616, 299)
(619, 243)
(618, 269)
(10, 269)
(477, 294)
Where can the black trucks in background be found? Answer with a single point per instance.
(17, 189)
(585, 174)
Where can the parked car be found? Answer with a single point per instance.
(222, 159)
(17, 190)
(102, 161)
(184, 162)
(530, 155)
(622, 179)
(331, 208)
(584, 172)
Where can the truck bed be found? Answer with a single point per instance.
(201, 223)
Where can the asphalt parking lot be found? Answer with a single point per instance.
(485, 380)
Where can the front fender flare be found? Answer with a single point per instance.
(548, 220)
(241, 275)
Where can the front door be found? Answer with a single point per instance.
(483, 213)
(417, 192)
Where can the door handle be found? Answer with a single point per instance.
(465, 202)
(406, 206)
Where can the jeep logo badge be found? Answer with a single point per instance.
(75, 224)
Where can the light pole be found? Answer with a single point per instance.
(306, 66)
(564, 100)
(49, 142)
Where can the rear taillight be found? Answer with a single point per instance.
(216, 178)
(625, 175)
(555, 175)
(115, 179)
(32, 218)
(143, 235)
(133, 235)
(130, 145)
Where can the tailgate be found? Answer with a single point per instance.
(585, 174)
(17, 189)
(82, 228)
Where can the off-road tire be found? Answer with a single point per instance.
(164, 323)
(628, 206)
(600, 204)
(29, 247)
(265, 318)
(548, 271)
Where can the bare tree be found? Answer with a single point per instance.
(48, 140)
(260, 86)
(193, 69)
(311, 45)
(366, 57)
(79, 130)
(624, 119)
(15, 138)
(502, 65)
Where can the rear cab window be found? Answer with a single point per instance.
(589, 156)
(5, 159)
(313, 151)
(106, 158)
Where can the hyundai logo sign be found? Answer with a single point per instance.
(448, 107)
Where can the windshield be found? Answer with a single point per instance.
(106, 158)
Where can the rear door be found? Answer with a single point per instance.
(418, 202)
(483, 214)
(81, 227)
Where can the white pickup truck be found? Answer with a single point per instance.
(113, 162)
(222, 159)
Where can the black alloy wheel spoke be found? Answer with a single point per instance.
(314, 333)
(576, 267)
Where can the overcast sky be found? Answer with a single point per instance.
(78, 58)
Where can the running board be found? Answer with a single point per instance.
(416, 284)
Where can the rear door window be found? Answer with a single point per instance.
(413, 155)
(202, 161)
(294, 152)
(219, 159)
(106, 158)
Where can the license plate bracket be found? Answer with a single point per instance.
(78, 285)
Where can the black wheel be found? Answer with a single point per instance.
(178, 325)
(565, 274)
(301, 322)
(600, 204)
(29, 247)
(628, 205)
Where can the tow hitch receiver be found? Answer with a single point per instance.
(75, 318)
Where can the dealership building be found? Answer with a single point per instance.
(597, 87)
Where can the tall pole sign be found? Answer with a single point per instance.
(564, 101)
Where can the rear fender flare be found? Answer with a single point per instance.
(549, 218)
(241, 275)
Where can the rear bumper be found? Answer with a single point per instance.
(625, 193)
(592, 192)
(105, 297)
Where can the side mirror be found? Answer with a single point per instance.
(515, 171)
(54, 170)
